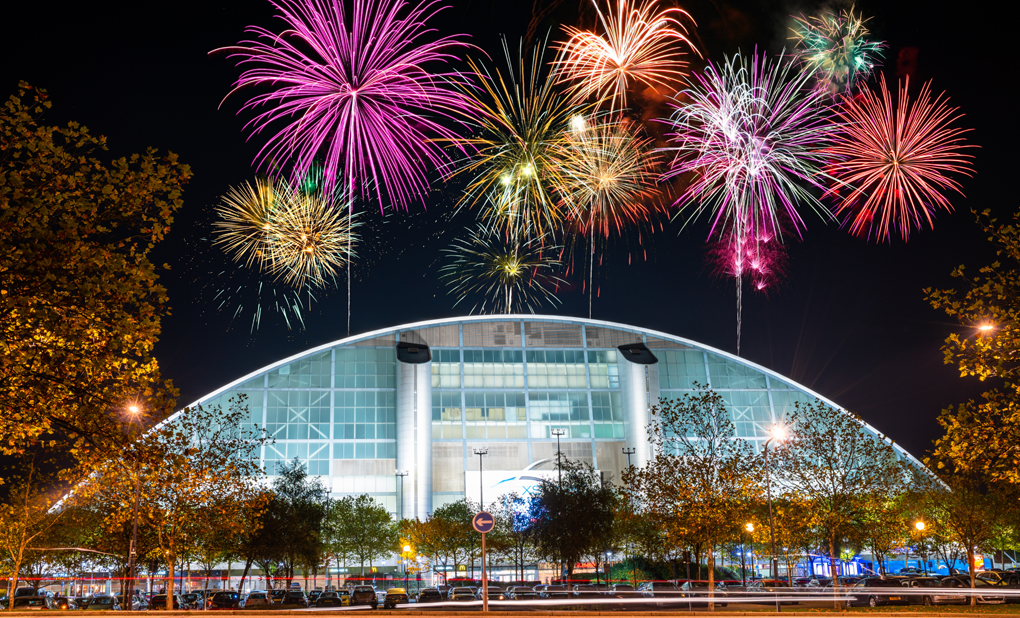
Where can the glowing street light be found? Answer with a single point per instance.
(749, 527)
(986, 327)
(920, 526)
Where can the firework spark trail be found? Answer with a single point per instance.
(357, 81)
(752, 135)
(514, 170)
(510, 274)
(836, 48)
(639, 45)
(897, 159)
(610, 174)
(297, 237)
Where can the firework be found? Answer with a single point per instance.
(896, 161)
(639, 45)
(299, 238)
(835, 47)
(610, 174)
(751, 135)
(515, 172)
(760, 261)
(509, 274)
(358, 85)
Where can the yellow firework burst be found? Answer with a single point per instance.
(297, 237)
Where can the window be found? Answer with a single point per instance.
(446, 369)
(298, 415)
(495, 415)
(556, 369)
(309, 372)
(446, 415)
(314, 456)
(726, 373)
(493, 369)
(603, 369)
(681, 369)
(607, 412)
(567, 411)
(366, 368)
(750, 412)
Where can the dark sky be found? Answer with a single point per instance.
(850, 321)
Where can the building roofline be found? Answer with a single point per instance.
(544, 318)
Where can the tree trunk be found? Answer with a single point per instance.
(711, 579)
(834, 570)
(972, 567)
(15, 576)
(170, 564)
(247, 567)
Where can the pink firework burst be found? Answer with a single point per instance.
(759, 260)
(359, 84)
(893, 164)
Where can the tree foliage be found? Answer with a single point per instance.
(80, 305)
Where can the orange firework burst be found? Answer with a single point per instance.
(639, 44)
(896, 162)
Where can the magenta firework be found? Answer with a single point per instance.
(359, 84)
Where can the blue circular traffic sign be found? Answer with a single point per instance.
(484, 522)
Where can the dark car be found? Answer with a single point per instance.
(430, 595)
(395, 596)
(329, 599)
(928, 592)
(495, 593)
(770, 588)
(462, 593)
(585, 591)
(658, 590)
(65, 603)
(224, 600)
(523, 593)
(22, 603)
(279, 595)
(313, 595)
(106, 602)
(195, 600)
(295, 597)
(876, 591)
(554, 592)
(987, 593)
(364, 595)
(158, 602)
(28, 591)
(697, 589)
(623, 591)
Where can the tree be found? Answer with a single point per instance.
(700, 474)
(295, 514)
(80, 305)
(199, 473)
(455, 537)
(831, 460)
(513, 532)
(573, 517)
(984, 436)
(370, 531)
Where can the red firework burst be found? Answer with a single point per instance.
(894, 164)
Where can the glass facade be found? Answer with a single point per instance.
(501, 383)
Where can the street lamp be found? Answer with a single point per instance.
(919, 526)
(749, 527)
(778, 433)
(481, 452)
(628, 452)
(558, 433)
(400, 474)
(135, 410)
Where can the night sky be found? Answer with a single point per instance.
(850, 320)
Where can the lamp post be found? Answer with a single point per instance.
(919, 526)
(558, 433)
(749, 527)
(133, 551)
(400, 474)
(779, 434)
(481, 452)
(628, 452)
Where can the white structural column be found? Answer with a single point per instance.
(639, 391)
(414, 438)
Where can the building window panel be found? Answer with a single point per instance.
(681, 369)
(446, 369)
(556, 369)
(310, 372)
(493, 369)
(366, 368)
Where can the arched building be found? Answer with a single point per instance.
(419, 399)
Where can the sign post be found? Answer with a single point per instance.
(484, 522)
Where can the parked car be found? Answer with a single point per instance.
(328, 599)
(195, 600)
(65, 603)
(553, 592)
(256, 598)
(277, 596)
(156, 603)
(876, 591)
(623, 591)
(770, 588)
(928, 596)
(395, 596)
(36, 602)
(586, 591)
(987, 594)
(523, 593)
(658, 590)
(107, 602)
(364, 595)
(495, 593)
(696, 589)
(83, 602)
(225, 600)
(807, 582)
(296, 597)
(313, 595)
(29, 591)
(345, 595)
(430, 595)
(462, 593)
